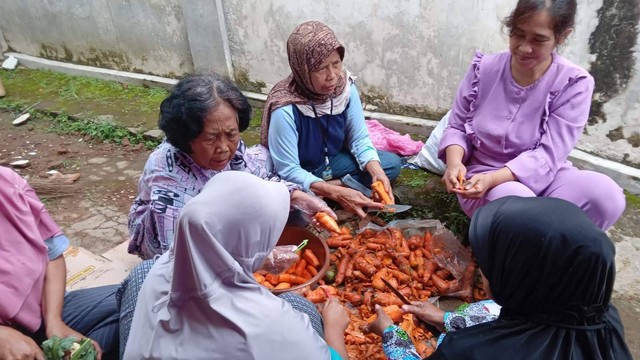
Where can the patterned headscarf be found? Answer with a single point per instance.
(308, 46)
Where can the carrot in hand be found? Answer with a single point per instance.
(327, 222)
(392, 311)
(378, 187)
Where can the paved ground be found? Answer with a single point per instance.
(95, 216)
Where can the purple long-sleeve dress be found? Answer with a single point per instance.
(530, 130)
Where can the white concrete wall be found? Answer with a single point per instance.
(412, 52)
(144, 35)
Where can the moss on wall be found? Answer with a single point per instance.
(107, 59)
(613, 42)
(382, 101)
(245, 83)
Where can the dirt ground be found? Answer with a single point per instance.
(94, 216)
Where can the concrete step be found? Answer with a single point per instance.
(86, 269)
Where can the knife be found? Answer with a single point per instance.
(391, 208)
(356, 185)
(402, 298)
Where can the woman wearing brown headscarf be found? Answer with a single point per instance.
(313, 123)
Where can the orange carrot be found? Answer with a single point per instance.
(259, 278)
(306, 275)
(312, 270)
(267, 285)
(300, 265)
(342, 237)
(273, 279)
(335, 243)
(441, 285)
(354, 298)
(342, 268)
(317, 296)
(345, 231)
(378, 187)
(282, 286)
(292, 279)
(327, 222)
(443, 273)
(428, 241)
(393, 311)
(311, 258)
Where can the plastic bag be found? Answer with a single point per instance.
(447, 251)
(390, 140)
(280, 259)
(428, 156)
(409, 227)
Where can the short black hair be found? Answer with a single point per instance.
(183, 112)
(561, 12)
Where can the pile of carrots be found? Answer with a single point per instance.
(298, 273)
(407, 263)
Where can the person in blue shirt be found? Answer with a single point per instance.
(313, 124)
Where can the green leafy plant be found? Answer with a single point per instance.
(69, 348)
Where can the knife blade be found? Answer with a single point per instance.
(391, 208)
(396, 292)
(402, 298)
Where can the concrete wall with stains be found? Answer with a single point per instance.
(131, 35)
(409, 56)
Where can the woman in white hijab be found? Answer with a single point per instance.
(200, 300)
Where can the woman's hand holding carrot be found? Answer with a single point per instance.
(381, 322)
(454, 176)
(427, 312)
(310, 204)
(327, 222)
(378, 175)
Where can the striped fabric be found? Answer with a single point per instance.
(93, 312)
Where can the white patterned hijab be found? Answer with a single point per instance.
(200, 299)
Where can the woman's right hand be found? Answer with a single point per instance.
(354, 201)
(427, 312)
(451, 178)
(15, 345)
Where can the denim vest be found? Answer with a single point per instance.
(316, 133)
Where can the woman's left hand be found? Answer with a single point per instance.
(377, 174)
(61, 330)
(476, 187)
(381, 322)
(310, 204)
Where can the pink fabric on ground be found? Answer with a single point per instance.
(389, 140)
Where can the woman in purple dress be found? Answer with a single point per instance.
(518, 114)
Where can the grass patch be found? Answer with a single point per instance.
(633, 201)
(64, 124)
(425, 192)
(133, 105)
(98, 130)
